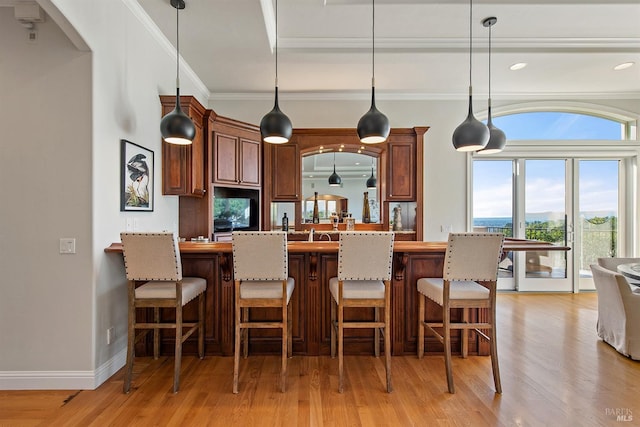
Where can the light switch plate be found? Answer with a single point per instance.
(67, 245)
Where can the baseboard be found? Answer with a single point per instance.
(62, 380)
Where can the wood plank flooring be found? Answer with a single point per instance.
(555, 372)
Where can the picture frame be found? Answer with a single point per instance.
(136, 177)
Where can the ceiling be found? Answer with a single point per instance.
(422, 47)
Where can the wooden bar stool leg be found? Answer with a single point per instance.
(494, 352)
(285, 345)
(236, 353)
(376, 332)
(447, 346)
(156, 334)
(464, 334)
(333, 326)
(421, 304)
(290, 329)
(245, 333)
(201, 325)
(178, 351)
(131, 339)
(340, 347)
(387, 335)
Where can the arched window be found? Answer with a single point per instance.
(559, 125)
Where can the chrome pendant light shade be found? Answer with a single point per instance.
(374, 126)
(275, 126)
(176, 127)
(497, 138)
(472, 134)
(334, 178)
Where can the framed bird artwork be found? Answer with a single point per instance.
(136, 182)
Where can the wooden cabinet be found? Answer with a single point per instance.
(401, 171)
(286, 174)
(236, 158)
(183, 166)
(231, 159)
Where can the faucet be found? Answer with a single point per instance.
(311, 231)
(325, 234)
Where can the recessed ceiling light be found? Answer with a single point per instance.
(623, 66)
(518, 66)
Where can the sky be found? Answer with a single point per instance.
(545, 179)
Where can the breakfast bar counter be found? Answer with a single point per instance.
(312, 264)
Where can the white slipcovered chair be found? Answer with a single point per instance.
(364, 280)
(618, 312)
(261, 277)
(469, 281)
(154, 258)
(612, 263)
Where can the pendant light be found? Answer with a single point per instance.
(176, 127)
(472, 134)
(497, 138)
(372, 182)
(373, 127)
(275, 126)
(334, 178)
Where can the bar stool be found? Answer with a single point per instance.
(261, 270)
(155, 259)
(469, 281)
(364, 280)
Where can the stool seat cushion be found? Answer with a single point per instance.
(191, 288)
(254, 289)
(357, 289)
(432, 288)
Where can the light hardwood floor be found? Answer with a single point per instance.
(555, 372)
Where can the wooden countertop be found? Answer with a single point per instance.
(329, 247)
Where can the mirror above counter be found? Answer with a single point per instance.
(345, 199)
(295, 171)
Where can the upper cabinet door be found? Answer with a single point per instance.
(236, 160)
(401, 172)
(183, 165)
(225, 159)
(286, 172)
(250, 159)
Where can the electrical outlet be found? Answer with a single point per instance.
(111, 335)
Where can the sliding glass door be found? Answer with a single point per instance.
(598, 215)
(546, 208)
(566, 201)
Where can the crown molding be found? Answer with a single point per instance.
(414, 96)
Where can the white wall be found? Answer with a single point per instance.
(45, 170)
(65, 111)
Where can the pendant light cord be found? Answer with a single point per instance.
(177, 47)
(276, 43)
(373, 43)
(490, 64)
(470, 40)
